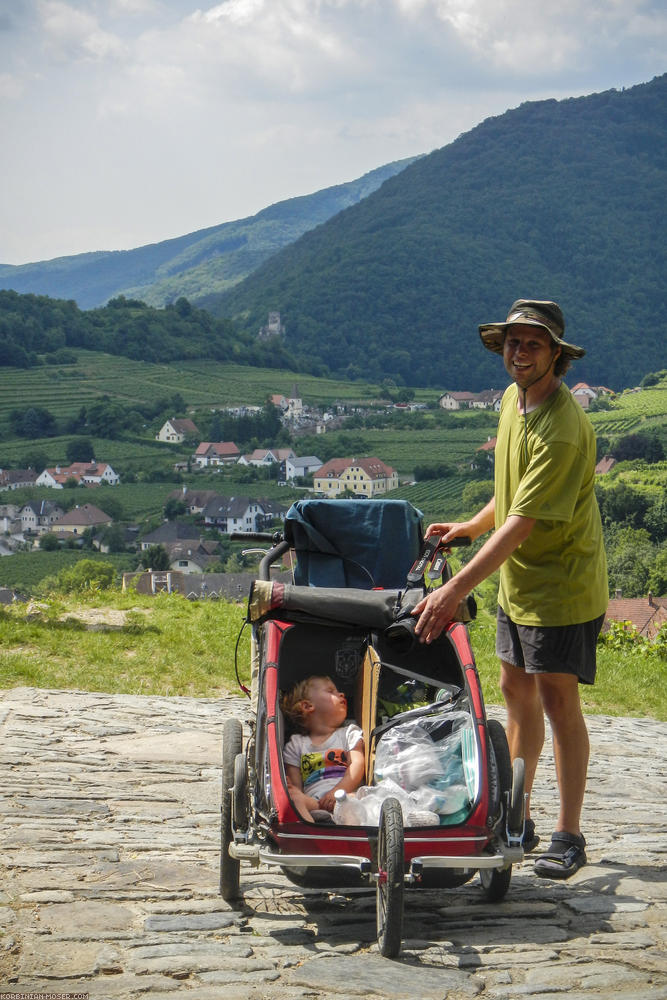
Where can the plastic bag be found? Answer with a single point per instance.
(363, 807)
(424, 756)
(423, 751)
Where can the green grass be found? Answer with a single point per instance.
(170, 646)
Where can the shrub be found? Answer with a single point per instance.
(49, 543)
(86, 574)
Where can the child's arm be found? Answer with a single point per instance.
(294, 779)
(353, 777)
(303, 803)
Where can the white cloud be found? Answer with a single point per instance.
(187, 112)
(72, 33)
(11, 87)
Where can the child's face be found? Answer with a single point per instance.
(329, 704)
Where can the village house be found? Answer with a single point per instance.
(229, 514)
(262, 457)
(210, 453)
(85, 473)
(291, 407)
(645, 614)
(367, 477)
(488, 399)
(38, 516)
(172, 532)
(14, 479)
(585, 394)
(175, 431)
(292, 468)
(10, 521)
(191, 559)
(194, 500)
(81, 519)
(488, 449)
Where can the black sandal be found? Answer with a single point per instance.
(565, 856)
(530, 839)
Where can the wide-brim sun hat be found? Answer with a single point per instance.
(530, 312)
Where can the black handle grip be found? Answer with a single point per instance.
(272, 537)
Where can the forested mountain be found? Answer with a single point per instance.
(207, 261)
(36, 329)
(555, 199)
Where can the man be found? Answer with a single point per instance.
(553, 576)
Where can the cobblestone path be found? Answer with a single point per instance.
(109, 847)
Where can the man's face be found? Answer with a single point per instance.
(528, 353)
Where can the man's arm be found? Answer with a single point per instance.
(438, 608)
(478, 525)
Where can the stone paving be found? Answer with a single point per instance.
(109, 841)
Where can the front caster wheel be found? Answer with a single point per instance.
(232, 742)
(391, 867)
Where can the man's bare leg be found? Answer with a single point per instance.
(525, 719)
(559, 694)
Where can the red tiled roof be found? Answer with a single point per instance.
(373, 467)
(646, 614)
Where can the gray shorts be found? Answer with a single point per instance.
(557, 649)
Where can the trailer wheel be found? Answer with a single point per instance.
(232, 743)
(517, 807)
(240, 793)
(391, 867)
(496, 881)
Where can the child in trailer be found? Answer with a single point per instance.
(327, 753)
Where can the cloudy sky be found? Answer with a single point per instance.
(125, 122)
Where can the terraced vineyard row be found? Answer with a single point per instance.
(632, 410)
(405, 449)
(437, 498)
(64, 389)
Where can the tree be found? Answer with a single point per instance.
(477, 494)
(620, 504)
(435, 471)
(657, 578)
(49, 542)
(655, 520)
(37, 460)
(80, 449)
(630, 555)
(174, 508)
(106, 418)
(234, 564)
(113, 537)
(35, 422)
(86, 574)
(155, 557)
(640, 445)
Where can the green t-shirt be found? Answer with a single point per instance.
(558, 576)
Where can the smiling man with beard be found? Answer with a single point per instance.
(548, 546)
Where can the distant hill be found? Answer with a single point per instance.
(555, 199)
(200, 263)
